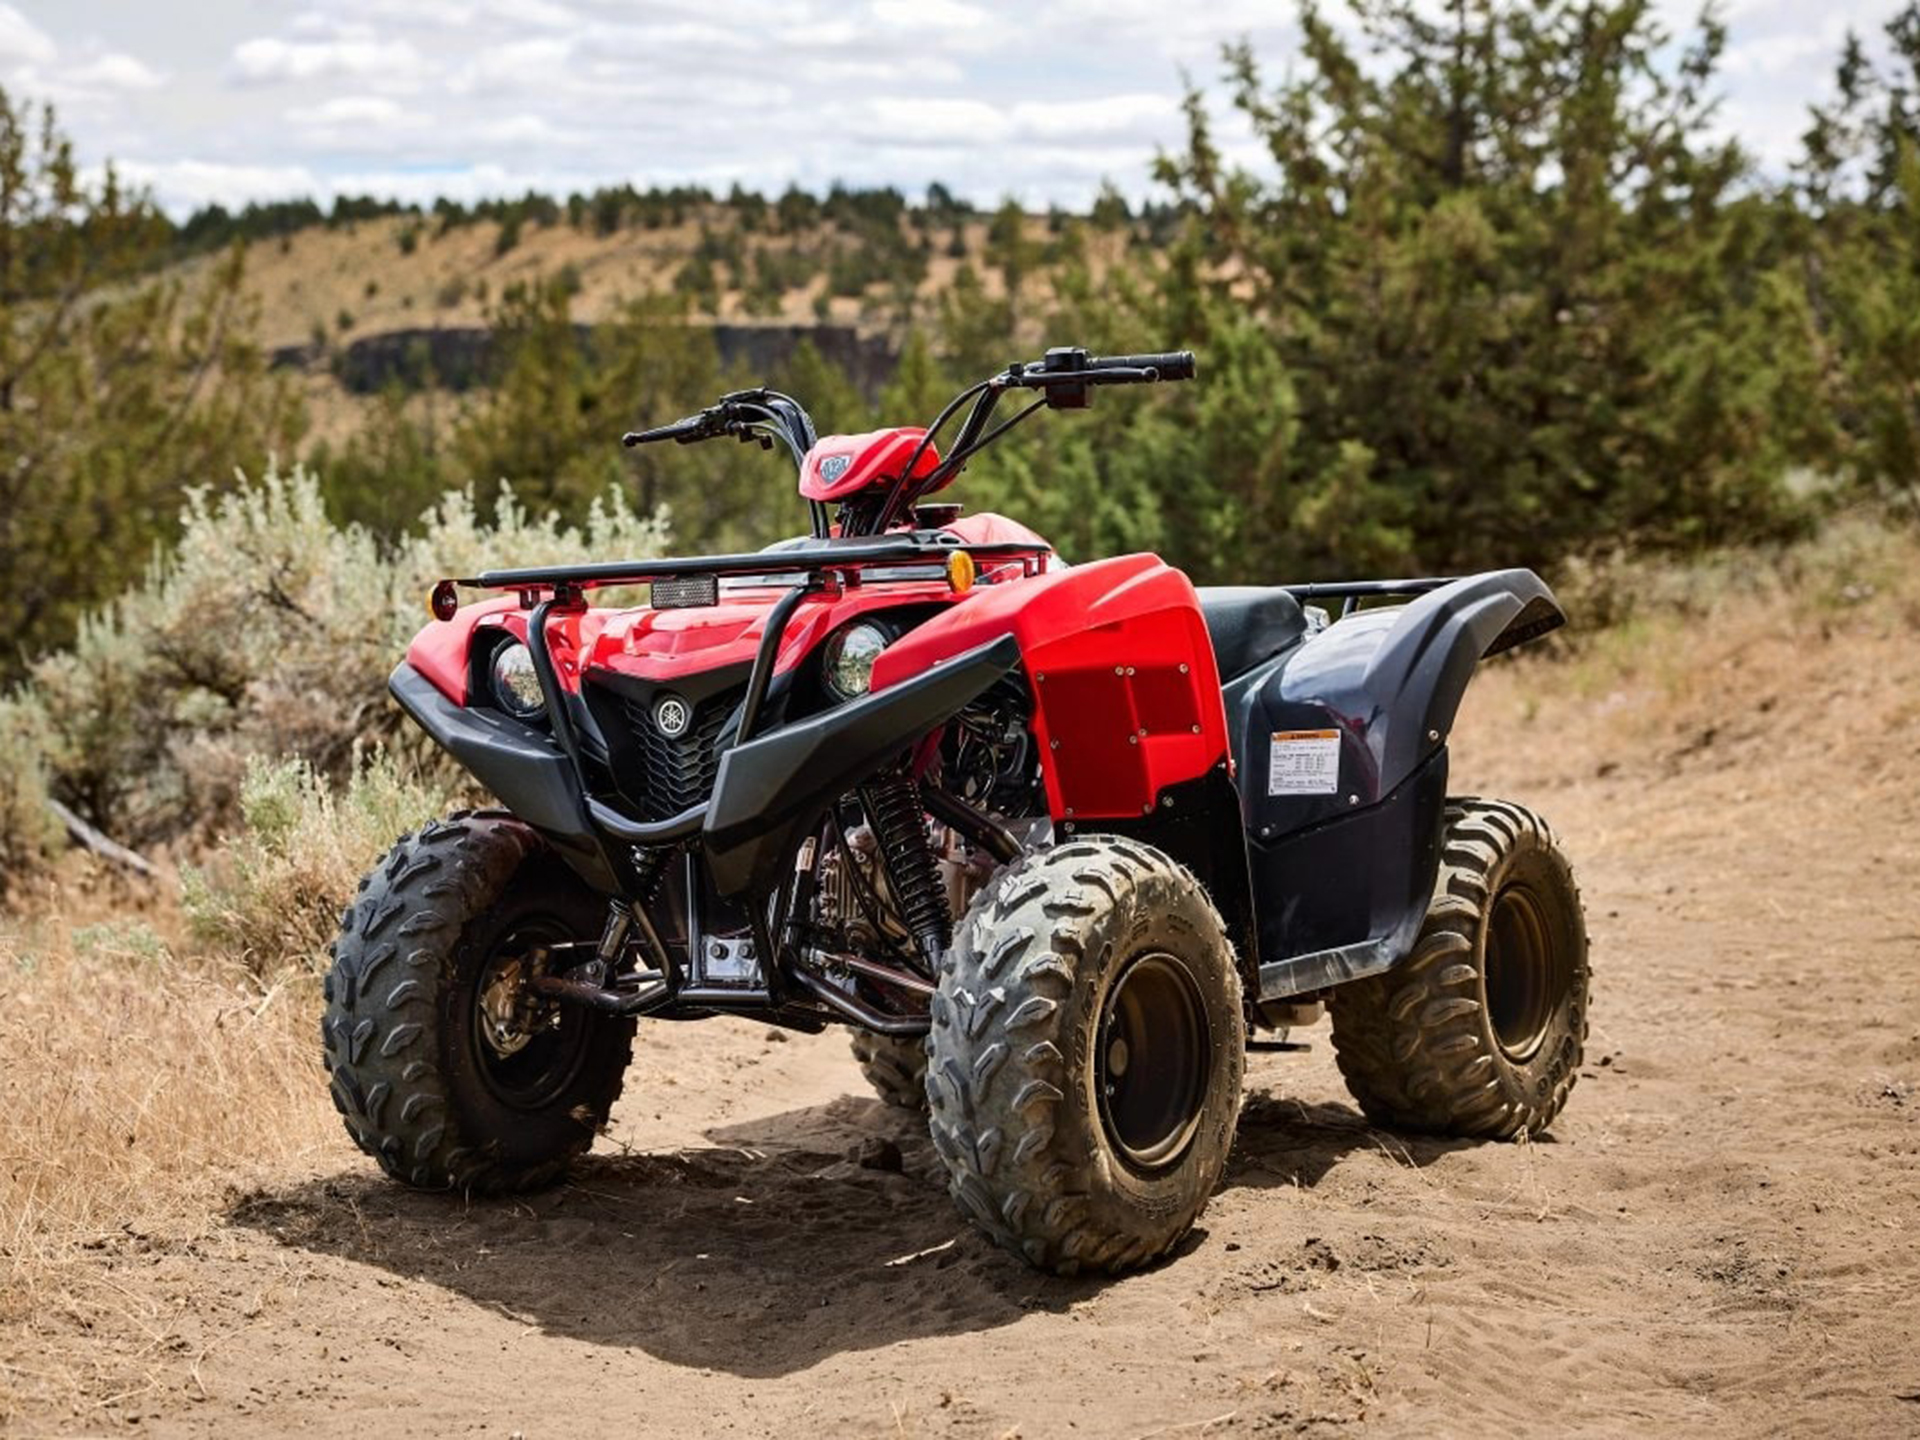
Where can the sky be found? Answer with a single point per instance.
(238, 100)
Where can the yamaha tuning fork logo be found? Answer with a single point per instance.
(834, 466)
(672, 716)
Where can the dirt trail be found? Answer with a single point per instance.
(1719, 1236)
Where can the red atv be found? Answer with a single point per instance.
(1051, 839)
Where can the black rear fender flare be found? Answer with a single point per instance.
(1391, 680)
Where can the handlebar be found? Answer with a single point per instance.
(748, 415)
(1064, 376)
(1067, 374)
(685, 431)
(1068, 370)
(1166, 365)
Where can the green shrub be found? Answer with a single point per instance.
(28, 831)
(268, 631)
(272, 894)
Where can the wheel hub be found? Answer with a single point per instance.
(509, 1016)
(1525, 974)
(1152, 1059)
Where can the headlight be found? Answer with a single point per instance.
(516, 685)
(846, 661)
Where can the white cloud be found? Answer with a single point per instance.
(485, 97)
(268, 58)
(543, 13)
(186, 184)
(930, 15)
(21, 39)
(1099, 116)
(115, 71)
(351, 110)
(525, 130)
(515, 65)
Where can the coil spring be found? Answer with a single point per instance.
(649, 864)
(900, 824)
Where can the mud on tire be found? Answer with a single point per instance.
(417, 1082)
(1086, 1056)
(896, 1068)
(1480, 1031)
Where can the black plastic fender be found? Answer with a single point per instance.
(520, 764)
(772, 790)
(1344, 852)
(1388, 682)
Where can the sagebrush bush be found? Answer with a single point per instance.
(271, 894)
(268, 631)
(28, 830)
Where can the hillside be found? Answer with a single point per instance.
(340, 303)
(314, 278)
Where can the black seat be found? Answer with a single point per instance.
(1249, 623)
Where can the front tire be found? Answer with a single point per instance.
(444, 1069)
(1086, 1056)
(1480, 1031)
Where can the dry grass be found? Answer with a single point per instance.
(310, 279)
(143, 1081)
(1720, 687)
(161, 1054)
(271, 896)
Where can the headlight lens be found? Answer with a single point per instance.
(847, 660)
(516, 685)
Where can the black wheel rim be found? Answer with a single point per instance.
(552, 1038)
(1525, 973)
(1151, 1060)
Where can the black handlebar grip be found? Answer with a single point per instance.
(1171, 364)
(693, 427)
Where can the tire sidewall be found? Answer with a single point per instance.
(1165, 917)
(1544, 871)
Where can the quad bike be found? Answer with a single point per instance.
(1051, 839)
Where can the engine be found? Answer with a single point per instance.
(889, 881)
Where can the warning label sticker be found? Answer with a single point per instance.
(1304, 762)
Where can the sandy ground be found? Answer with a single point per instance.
(1718, 1237)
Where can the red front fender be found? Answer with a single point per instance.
(1126, 694)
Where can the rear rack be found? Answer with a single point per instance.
(1352, 592)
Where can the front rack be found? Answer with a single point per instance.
(848, 557)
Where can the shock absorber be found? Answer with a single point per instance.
(649, 864)
(899, 823)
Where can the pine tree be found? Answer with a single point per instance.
(118, 392)
(1514, 284)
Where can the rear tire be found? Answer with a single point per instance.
(1480, 1031)
(442, 1091)
(896, 1068)
(1086, 1056)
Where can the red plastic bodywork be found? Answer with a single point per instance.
(440, 650)
(1127, 695)
(878, 457)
